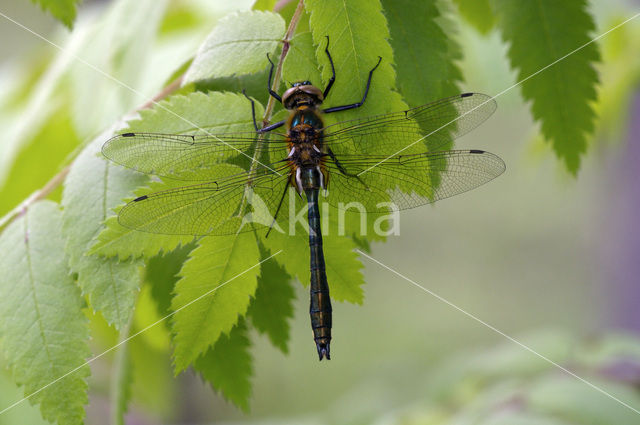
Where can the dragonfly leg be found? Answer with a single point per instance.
(344, 170)
(275, 216)
(271, 127)
(333, 72)
(271, 92)
(253, 110)
(357, 104)
(253, 115)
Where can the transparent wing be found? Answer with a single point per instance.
(245, 201)
(233, 203)
(381, 184)
(189, 157)
(434, 125)
(392, 161)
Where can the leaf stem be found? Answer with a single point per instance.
(170, 88)
(57, 180)
(285, 49)
(272, 101)
(120, 379)
(280, 5)
(39, 194)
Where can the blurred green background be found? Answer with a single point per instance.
(547, 258)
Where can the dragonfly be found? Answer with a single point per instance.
(240, 180)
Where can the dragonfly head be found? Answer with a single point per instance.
(302, 93)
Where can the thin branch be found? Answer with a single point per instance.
(57, 180)
(271, 103)
(281, 4)
(285, 49)
(120, 378)
(39, 194)
(169, 89)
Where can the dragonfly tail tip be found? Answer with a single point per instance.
(323, 350)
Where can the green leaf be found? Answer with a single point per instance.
(342, 265)
(287, 9)
(44, 332)
(196, 114)
(216, 286)
(227, 366)
(162, 274)
(255, 85)
(238, 45)
(124, 44)
(358, 36)
(272, 305)
(214, 113)
(62, 10)
(300, 64)
(192, 114)
(344, 270)
(540, 33)
(264, 5)
(124, 243)
(48, 148)
(478, 13)
(424, 53)
(91, 188)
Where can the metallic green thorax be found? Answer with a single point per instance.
(308, 117)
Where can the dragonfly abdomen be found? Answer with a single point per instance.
(320, 304)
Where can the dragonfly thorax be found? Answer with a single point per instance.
(305, 137)
(306, 149)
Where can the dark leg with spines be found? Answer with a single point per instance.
(333, 71)
(357, 104)
(271, 92)
(271, 127)
(253, 110)
(344, 170)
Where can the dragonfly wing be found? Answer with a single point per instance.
(381, 183)
(185, 156)
(434, 125)
(238, 202)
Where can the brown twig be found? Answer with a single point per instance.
(276, 82)
(57, 180)
(169, 89)
(166, 91)
(272, 101)
(35, 196)
(285, 49)
(281, 5)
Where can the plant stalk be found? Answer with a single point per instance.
(120, 379)
(272, 101)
